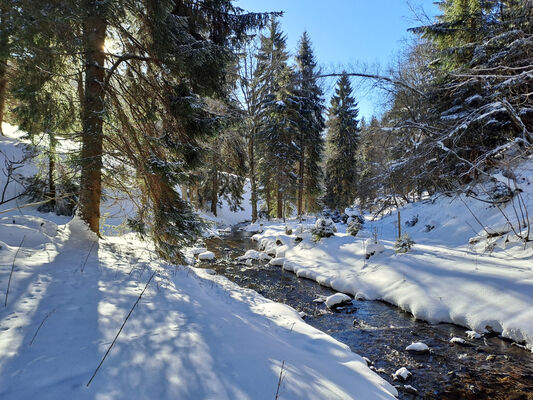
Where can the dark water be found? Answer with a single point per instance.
(486, 368)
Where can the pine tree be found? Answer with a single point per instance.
(341, 147)
(310, 127)
(278, 107)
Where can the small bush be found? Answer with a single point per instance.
(412, 222)
(324, 227)
(403, 244)
(354, 227)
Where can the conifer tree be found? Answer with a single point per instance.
(278, 107)
(341, 147)
(310, 127)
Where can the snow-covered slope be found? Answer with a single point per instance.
(485, 284)
(193, 335)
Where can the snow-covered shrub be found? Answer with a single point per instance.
(412, 222)
(324, 227)
(288, 230)
(403, 244)
(354, 226)
(429, 228)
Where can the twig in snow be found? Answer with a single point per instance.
(12, 269)
(40, 325)
(280, 379)
(87, 258)
(119, 331)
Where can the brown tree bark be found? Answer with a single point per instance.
(4, 42)
(94, 33)
(51, 169)
(280, 203)
(214, 193)
(253, 183)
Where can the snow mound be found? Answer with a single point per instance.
(278, 261)
(337, 299)
(418, 347)
(206, 256)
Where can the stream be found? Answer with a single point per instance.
(486, 368)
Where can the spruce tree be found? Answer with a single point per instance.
(310, 127)
(341, 147)
(278, 107)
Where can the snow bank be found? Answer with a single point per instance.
(193, 335)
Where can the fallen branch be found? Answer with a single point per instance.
(86, 258)
(280, 379)
(12, 269)
(41, 324)
(119, 331)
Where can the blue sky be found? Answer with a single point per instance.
(346, 33)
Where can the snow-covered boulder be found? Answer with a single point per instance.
(206, 256)
(418, 347)
(337, 299)
(402, 374)
(473, 335)
(457, 340)
(254, 255)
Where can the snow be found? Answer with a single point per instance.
(192, 335)
(457, 340)
(473, 335)
(206, 255)
(484, 285)
(279, 261)
(337, 299)
(254, 255)
(418, 347)
(401, 374)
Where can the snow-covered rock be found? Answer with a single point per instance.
(402, 374)
(473, 335)
(418, 347)
(337, 299)
(457, 340)
(206, 256)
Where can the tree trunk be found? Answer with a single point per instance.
(280, 203)
(268, 199)
(4, 42)
(94, 32)
(301, 182)
(214, 193)
(253, 183)
(184, 194)
(51, 169)
(3, 91)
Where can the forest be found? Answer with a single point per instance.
(176, 163)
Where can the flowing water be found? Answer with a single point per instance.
(486, 368)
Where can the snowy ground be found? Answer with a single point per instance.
(193, 335)
(483, 286)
